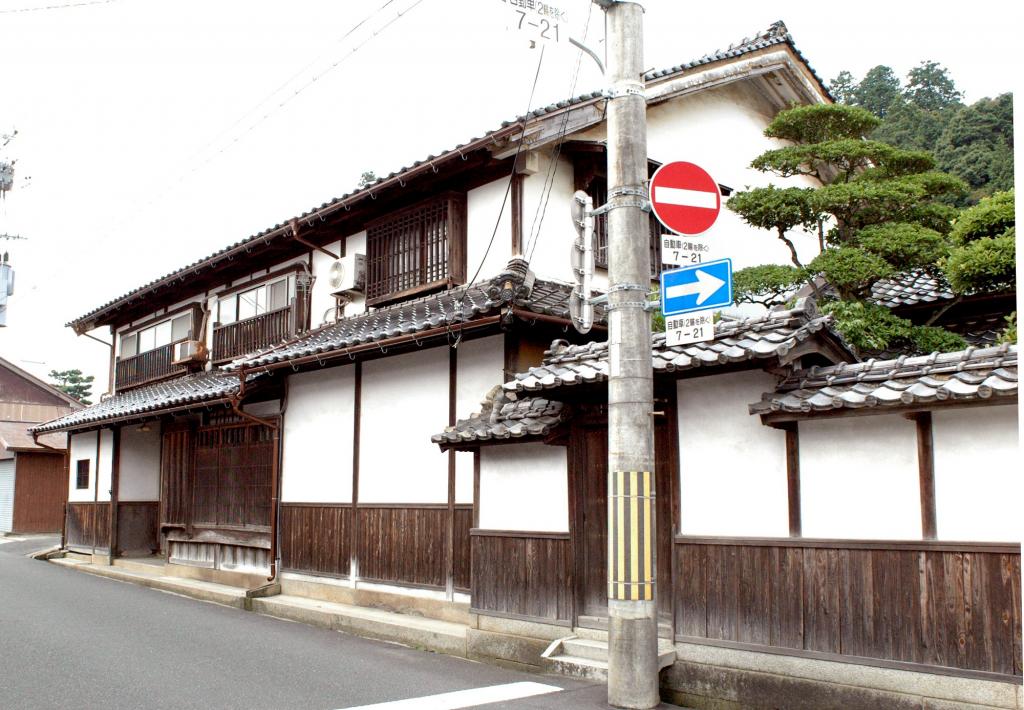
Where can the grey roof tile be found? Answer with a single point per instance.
(502, 417)
(911, 288)
(973, 374)
(195, 389)
(761, 338)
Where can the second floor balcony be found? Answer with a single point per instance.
(150, 366)
(248, 335)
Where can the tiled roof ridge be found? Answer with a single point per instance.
(804, 312)
(971, 376)
(777, 33)
(873, 370)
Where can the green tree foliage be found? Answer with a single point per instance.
(984, 257)
(930, 87)
(842, 87)
(767, 285)
(73, 383)
(887, 209)
(877, 90)
(1010, 334)
(974, 143)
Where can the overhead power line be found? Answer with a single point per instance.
(63, 6)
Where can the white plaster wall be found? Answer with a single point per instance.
(556, 233)
(81, 446)
(483, 207)
(977, 474)
(139, 477)
(732, 469)
(524, 487)
(480, 367)
(859, 478)
(106, 467)
(317, 437)
(404, 401)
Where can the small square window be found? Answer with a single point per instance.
(129, 345)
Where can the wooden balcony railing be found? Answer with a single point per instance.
(249, 335)
(149, 366)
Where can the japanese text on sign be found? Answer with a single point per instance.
(541, 21)
(681, 251)
(690, 328)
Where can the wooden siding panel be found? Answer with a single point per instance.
(463, 553)
(40, 493)
(942, 605)
(522, 575)
(315, 538)
(88, 524)
(402, 544)
(692, 601)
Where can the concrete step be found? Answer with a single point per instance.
(416, 631)
(586, 648)
(577, 667)
(588, 658)
(203, 591)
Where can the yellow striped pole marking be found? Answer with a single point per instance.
(630, 543)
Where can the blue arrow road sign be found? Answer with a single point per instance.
(697, 288)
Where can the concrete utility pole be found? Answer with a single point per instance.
(632, 616)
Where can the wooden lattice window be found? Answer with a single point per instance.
(418, 249)
(233, 475)
(82, 474)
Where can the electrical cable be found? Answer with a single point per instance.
(515, 161)
(549, 179)
(64, 6)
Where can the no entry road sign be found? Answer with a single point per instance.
(685, 198)
(697, 288)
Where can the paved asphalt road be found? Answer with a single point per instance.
(73, 640)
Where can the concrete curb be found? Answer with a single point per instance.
(416, 631)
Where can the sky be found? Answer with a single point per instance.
(153, 133)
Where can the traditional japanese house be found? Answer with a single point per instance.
(33, 473)
(272, 409)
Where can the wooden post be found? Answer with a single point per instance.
(793, 477)
(517, 212)
(96, 488)
(926, 473)
(449, 570)
(115, 484)
(353, 540)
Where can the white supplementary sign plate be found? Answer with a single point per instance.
(537, 21)
(696, 327)
(683, 251)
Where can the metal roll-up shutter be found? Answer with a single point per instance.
(6, 495)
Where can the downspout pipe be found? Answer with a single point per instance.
(275, 472)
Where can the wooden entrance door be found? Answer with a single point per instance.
(588, 489)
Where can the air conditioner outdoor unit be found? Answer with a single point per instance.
(189, 352)
(348, 274)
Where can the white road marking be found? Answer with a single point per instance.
(685, 198)
(466, 698)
